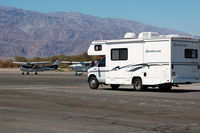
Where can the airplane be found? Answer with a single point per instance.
(79, 67)
(36, 66)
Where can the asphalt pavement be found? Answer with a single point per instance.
(59, 102)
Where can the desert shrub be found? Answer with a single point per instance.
(82, 57)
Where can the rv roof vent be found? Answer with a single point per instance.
(173, 35)
(168, 36)
(130, 36)
(148, 35)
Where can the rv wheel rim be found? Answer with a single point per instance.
(138, 85)
(93, 83)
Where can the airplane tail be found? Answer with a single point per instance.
(56, 63)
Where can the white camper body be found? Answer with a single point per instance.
(153, 59)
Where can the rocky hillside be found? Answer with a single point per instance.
(31, 33)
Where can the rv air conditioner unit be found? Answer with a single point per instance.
(148, 35)
(130, 36)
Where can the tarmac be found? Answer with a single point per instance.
(59, 102)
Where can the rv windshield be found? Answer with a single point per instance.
(102, 62)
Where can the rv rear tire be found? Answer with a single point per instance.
(114, 86)
(93, 83)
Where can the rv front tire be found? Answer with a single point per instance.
(93, 83)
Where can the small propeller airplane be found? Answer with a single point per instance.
(79, 67)
(36, 66)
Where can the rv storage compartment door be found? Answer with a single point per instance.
(157, 62)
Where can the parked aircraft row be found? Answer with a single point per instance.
(78, 67)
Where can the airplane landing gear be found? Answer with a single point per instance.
(78, 73)
(35, 73)
(22, 73)
(27, 73)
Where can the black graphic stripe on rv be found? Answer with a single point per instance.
(135, 69)
(142, 65)
(148, 65)
(136, 66)
(101, 71)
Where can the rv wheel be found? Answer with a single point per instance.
(137, 84)
(165, 87)
(93, 83)
(114, 86)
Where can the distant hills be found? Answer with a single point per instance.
(31, 33)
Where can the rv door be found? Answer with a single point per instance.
(102, 70)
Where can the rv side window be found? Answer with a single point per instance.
(97, 48)
(191, 53)
(119, 54)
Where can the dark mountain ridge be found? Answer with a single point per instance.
(31, 33)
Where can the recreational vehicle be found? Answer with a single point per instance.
(147, 60)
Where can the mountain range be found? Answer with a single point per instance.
(31, 33)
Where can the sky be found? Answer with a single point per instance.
(182, 15)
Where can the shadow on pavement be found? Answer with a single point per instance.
(153, 90)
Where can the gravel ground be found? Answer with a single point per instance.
(58, 102)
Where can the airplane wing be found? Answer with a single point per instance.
(70, 62)
(76, 62)
(32, 63)
(42, 62)
(89, 62)
(20, 63)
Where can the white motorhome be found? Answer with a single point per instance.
(147, 60)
